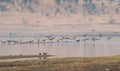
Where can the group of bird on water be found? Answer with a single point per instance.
(57, 39)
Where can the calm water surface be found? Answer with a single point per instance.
(63, 49)
(103, 47)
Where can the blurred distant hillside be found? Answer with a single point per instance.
(59, 11)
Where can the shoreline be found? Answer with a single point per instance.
(110, 63)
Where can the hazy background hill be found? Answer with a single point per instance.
(55, 12)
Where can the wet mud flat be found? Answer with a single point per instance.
(40, 56)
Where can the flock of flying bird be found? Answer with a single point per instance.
(60, 39)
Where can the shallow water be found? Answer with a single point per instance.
(82, 49)
(108, 45)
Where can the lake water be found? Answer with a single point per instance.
(108, 45)
(68, 49)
